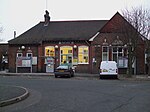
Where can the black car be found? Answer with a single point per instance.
(64, 70)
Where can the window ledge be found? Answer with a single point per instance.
(83, 63)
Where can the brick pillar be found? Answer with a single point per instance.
(91, 56)
(57, 56)
(40, 54)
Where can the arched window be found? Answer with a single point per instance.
(83, 55)
(50, 51)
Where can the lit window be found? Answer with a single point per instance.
(66, 54)
(83, 55)
(49, 51)
(105, 53)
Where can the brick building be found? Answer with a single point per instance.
(83, 43)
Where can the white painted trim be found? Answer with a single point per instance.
(107, 53)
(91, 39)
(20, 54)
(28, 54)
(83, 63)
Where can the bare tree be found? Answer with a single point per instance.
(136, 31)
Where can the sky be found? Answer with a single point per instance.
(21, 15)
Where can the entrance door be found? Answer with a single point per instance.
(66, 54)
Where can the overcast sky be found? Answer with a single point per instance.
(21, 15)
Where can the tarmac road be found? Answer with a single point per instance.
(48, 94)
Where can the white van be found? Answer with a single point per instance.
(108, 68)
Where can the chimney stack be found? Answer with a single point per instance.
(14, 34)
(46, 18)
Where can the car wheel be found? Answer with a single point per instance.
(72, 74)
(69, 75)
(55, 76)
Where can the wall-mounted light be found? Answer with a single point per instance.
(22, 47)
(75, 46)
(56, 46)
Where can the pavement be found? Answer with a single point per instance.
(120, 76)
(13, 94)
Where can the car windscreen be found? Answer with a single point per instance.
(62, 67)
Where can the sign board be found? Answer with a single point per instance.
(23, 62)
(49, 60)
(26, 63)
(34, 60)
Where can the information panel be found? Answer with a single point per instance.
(24, 62)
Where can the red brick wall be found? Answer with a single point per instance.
(110, 37)
(140, 59)
(12, 51)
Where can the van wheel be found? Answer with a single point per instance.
(101, 77)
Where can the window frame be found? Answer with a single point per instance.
(117, 52)
(122, 58)
(18, 55)
(70, 54)
(27, 54)
(83, 46)
(105, 53)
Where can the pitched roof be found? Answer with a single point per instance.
(60, 30)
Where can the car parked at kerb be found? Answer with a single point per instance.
(64, 70)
